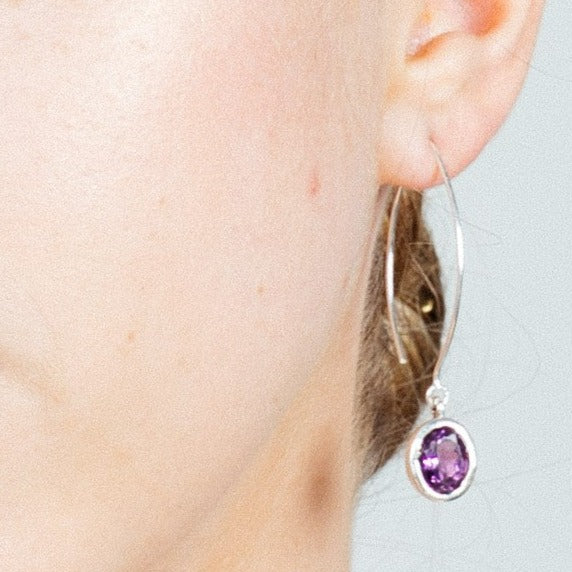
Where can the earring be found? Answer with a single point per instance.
(440, 460)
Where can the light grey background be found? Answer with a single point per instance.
(510, 369)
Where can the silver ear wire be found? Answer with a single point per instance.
(441, 459)
(437, 395)
(460, 268)
(390, 277)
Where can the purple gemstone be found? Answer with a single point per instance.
(444, 460)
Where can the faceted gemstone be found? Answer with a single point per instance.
(444, 460)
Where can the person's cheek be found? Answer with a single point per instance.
(177, 213)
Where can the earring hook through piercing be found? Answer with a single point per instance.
(437, 395)
(441, 459)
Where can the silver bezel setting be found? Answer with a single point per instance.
(414, 453)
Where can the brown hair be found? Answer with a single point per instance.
(390, 395)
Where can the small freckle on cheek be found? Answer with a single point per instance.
(315, 185)
(128, 343)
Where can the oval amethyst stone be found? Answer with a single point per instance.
(444, 460)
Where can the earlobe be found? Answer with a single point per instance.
(462, 67)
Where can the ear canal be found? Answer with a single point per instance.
(442, 17)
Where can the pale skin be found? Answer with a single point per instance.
(190, 194)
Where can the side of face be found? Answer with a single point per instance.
(173, 174)
(187, 192)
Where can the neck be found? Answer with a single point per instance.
(292, 509)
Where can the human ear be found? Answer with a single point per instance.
(458, 69)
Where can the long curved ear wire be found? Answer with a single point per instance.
(390, 277)
(437, 396)
(441, 459)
